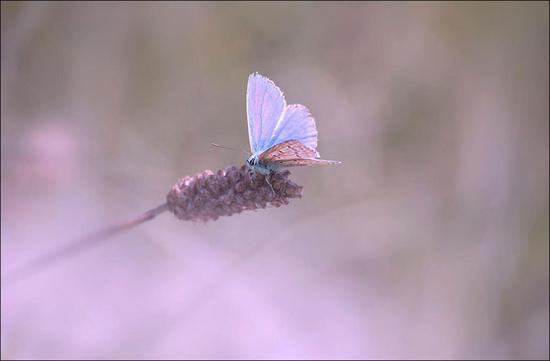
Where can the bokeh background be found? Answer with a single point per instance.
(430, 241)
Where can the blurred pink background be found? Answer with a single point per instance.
(430, 241)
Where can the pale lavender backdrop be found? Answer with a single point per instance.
(431, 240)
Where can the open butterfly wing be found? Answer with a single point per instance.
(265, 107)
(296, 124)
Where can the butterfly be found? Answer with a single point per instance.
(280, 135)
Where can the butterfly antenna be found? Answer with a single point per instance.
(238, 150)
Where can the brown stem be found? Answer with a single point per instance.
(80, 244)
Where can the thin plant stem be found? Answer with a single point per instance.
(79, 245)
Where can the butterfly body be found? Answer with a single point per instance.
(280, 135)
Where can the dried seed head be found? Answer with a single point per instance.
(208, 195)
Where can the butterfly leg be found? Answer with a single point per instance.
(267, 178)
(251, 175)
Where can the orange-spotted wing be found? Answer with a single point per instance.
(292, 153)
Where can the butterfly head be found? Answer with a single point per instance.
(256, 165)
(252, 161)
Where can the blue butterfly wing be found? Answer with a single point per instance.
(265, 105)
(296, 124)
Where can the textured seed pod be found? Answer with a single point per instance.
(208, 195)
